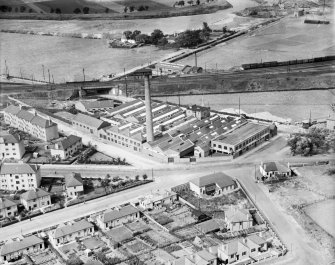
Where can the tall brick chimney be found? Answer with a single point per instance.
(149, 126)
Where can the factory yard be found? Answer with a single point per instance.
(308, 198)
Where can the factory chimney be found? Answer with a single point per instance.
(149, 127)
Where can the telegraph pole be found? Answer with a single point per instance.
(125, 81)
(43, 72)
(84, 74)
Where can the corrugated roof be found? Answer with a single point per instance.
(18, 168)
(116, 214)
(72, 228)
(221, 179)
(4, 203)
(68, 141)
(74, 180)
(90, 121)
(19, 245)
(34, 194)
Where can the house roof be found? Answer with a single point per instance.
(93, 262)
(273, 166)
(90, 121)
(256, 239)
(101, 104)
(19, 245)
(235, 246)
(12, 109)
(72, 228)
(68, 141)
(205, 255)
(74, 180)
(238, 215)
(4, 203)
(116, 214)
(9, 139)
(34, 194)
(220, 179)
(18, 168)
(208, 226)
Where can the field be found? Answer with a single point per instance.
(294, 105)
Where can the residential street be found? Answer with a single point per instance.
(304, 252)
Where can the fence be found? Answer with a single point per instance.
(155, 222)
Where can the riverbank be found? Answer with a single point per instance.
(186, 11)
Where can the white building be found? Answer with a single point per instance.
(74, 185)
(273, 169)
(66, 147)
(8, 208)
(157, 199)
(11, 147)
(31, 123)
(35, 199)
(96, 105)
(19, 176)
(67, 233)
(16, 249)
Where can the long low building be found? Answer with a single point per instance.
(242, 139)
(30, 123)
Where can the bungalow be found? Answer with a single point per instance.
(238, 219)
(74, 185)
(66, 147)
(118, 217)
(215, 184)
(8, 208)
(157, 199)
(35, 199)
(273, 169)
(232, 251)
(16, 249)
(208, 226)
(67, 233)
(202, 257)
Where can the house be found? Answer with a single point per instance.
(157, 199)
(202, 150)
(19, 176)
(74, 185)
(11, 147)
(66, 233)
(16, 249)
(214, 184)
(35, 199)
(238, 219)
(31, 123)
(232, 251)
(330, 123)
(202, 257)
(118, 217)
(8, 208)
(241, 139)
(67, 147)
(274, 169)
(88, 124)
(197, 111)
(93, 106)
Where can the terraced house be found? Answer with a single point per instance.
(31, 123)
(118, 217)
(16, 249)
(67, 233)
(35, 199)
(66, 147)
(11, 147)
(19, 176)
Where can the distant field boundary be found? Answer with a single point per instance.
(187, 11)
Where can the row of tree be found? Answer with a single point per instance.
(186, 39)
(132, 8)
(21, 9)
(315, 141)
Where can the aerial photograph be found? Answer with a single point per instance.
(167, 132)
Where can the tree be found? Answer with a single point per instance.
(52, 10)
(58, 11)
(131, 8)
(137, 177)
(190, 2)
(144, 176)
(140, 8)
(16, 9)
(74, 261)
(22, 9)
(134, 34)
(3, 8)
(30, 10)
(162, 42)
(156, 35)
(107, 10)
(142, 38)
(86, 10)
(224, 29)
(146, 8)
(127, 34)
(125, 9)
(198, 2)
(189, 38)
(77, 11)
(181, 3)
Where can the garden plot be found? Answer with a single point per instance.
(138, 227)
(181, 217)
(93, 243)
(69, 249)
(161, 237)
(45, 258)
(187, 232)
(137, 246)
